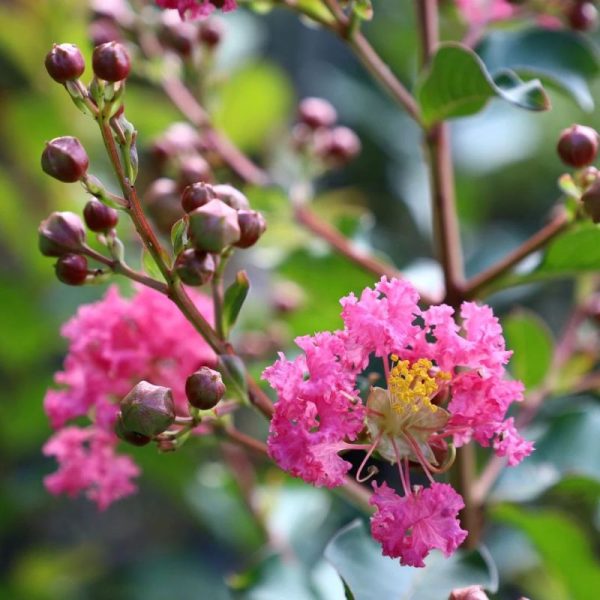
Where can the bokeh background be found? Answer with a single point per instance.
(188, 528)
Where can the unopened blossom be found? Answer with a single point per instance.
(114, 344)
(195, 9)
(445, 385)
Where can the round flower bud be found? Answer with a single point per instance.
(196, 195)
(252, 226)
(194, 169)
(211, 32)
(578, 146)
(65, 159)
(195, 267)
(72, 269)
(338, 146)
(176, 34)
(583, 16)
(316, 113)
(591, 201)
(163, 203)
(137, 439)
(148, 409)
(64, 62)
(99, 217)
(231, 196)
(104, 30)
(213, 227)
(61, 233)
(204, 388)
(111, 62)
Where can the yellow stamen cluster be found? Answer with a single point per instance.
(412, 386)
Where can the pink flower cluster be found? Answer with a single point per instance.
(195, 9)
(113, 344)
(448, 385)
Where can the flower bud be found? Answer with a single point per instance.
(64, 62)
(231, 196)
(163, 203)
(99, 217)
(211, 32)
(582, 16)
(137, 439)
(252, 226)
(316, 113)
(65, 159)
(473, 592)
(194, 169)
(196, 195)
(61, 233)
(148, 409)
(72, 269)
(591, 201)
(204, 388)
(104, 30)
(195, 267)
(213, 227)
(338, 146)
(176, 34)
(111, 62)
(578, 146)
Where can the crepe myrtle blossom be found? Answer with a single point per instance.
(195, 9)
(445, 386)
(113, 344)
(479, 12)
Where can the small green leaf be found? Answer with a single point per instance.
(363, 9)
(178, 235)
(574, 251)
(234, 377)
(530, 339)
(568, 186)
(458, 84)
(564, 547)
(150, 266)
(234, 298)
(371, 576)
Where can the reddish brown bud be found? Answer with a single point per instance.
(338, 146)
(99, 217)
(137, 439)
(163, 203)
(204, 388)
(111, 62)
(176, 34)
(252, 226)
(316, 113)
(583, 16)
(61, 233)
(103, 31)
(196, 195)
(72, 269)
(591, 201)
(578, 146)
(213, 227)
(231, 196)
(65, 159)
(148, 409)
(211, 32)
(195, 267)
(64, 62)
(194, 169)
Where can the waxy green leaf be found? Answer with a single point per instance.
(234, 298)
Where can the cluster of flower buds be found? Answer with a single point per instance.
(187, 38)
(317, 135)
(578, 148)
(217, 217)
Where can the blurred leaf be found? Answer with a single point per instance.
(458, 84)
(565, 549)
(576, 250)
(565, 59)
(570, 445)
(372, 576)
(363, 9)
(530, 339)
(234, 300)
(150, 266)
(177, 236)
(241, 111)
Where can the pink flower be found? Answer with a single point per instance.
(479, 12)
(409, 527)
(88, 463)
(194, 9)
(113, 344)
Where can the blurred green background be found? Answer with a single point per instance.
(189, 528)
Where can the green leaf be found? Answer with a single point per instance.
(234, 298)
(561, 58)
(530, 339)
(178, 235)
(150, 266)
(458, 84)
(574, 251)
(363, 9)
(372, 576)
(565, 549)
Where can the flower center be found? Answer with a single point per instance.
(412, 386)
